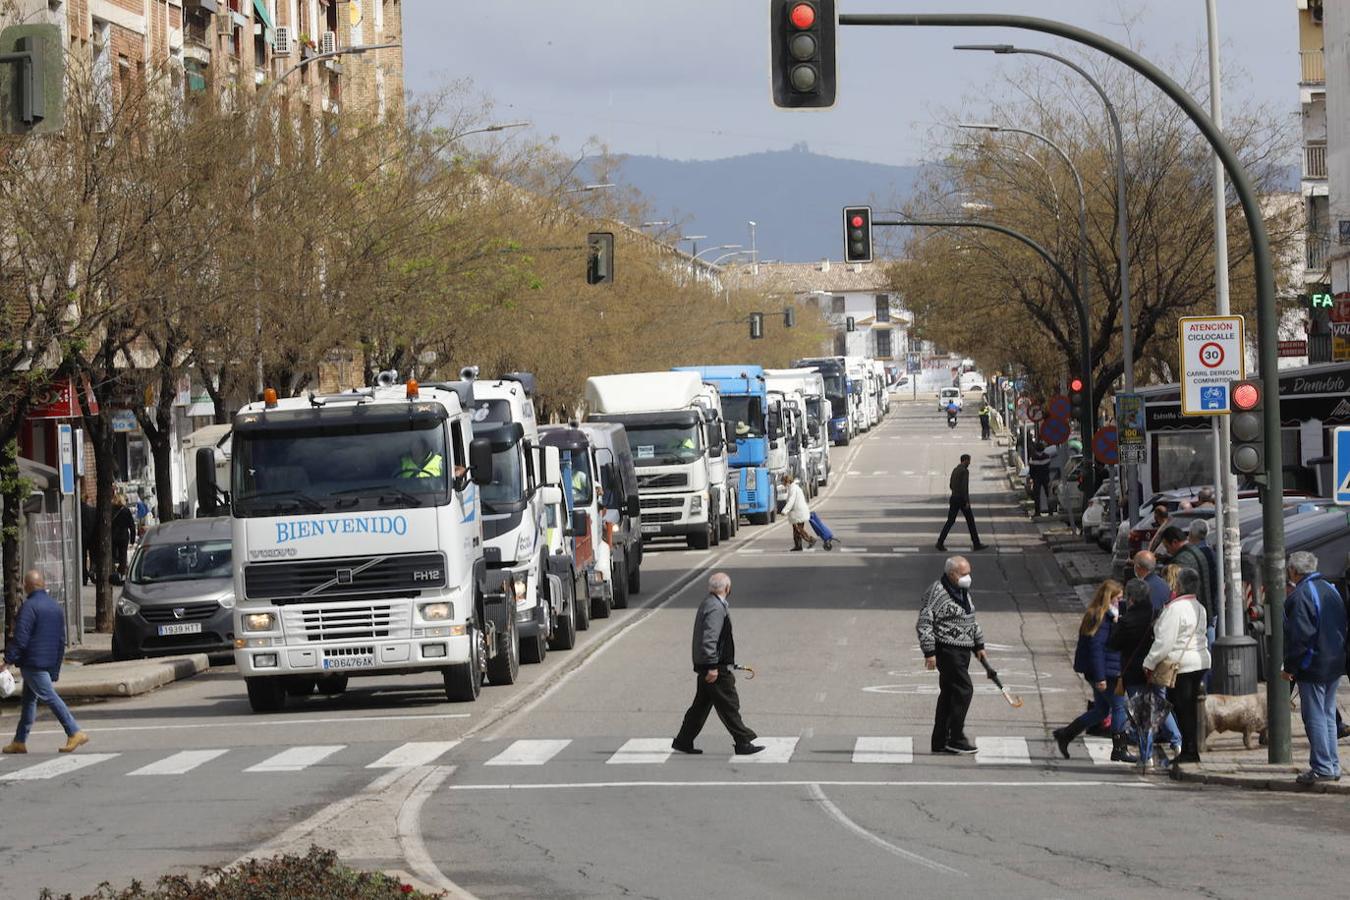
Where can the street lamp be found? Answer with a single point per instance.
(754, 252)
(587, 188)
(693, 240)
(711, 249)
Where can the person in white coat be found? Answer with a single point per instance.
(798, 513)
(1179, 638)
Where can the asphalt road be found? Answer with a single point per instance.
(563, 785)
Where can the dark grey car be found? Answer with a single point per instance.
(179, 592)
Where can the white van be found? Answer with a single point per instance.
(972, 381)
(947, 396)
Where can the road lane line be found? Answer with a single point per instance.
(894, 750)
(838, 815)
(414, 753)
(528, 753)
(257, 722)
(1002, 751)
(62, 765)
(760, 782)
(776, 750)
(642, 750)
(179, 763)
(294, 759)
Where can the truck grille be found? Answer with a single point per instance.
(347, 622)
(192, 612)
(351, 577)
(669, 480)
(660, 503)
(663, 518)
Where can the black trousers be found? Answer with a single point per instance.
(1183, 696)
(1039, 487)
(959, 505)
(984, 428)
(720, 695)
(954, 694)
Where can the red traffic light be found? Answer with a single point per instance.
(803, 16)
(856, 221)
(1246, 396)
(1076, 384)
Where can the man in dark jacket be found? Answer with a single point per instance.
(1186, 554)
(1038, 473)
(37, 649)
(960, 503)
(1314, 658)
(714, 660)
(1146, 570)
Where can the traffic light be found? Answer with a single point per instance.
(32, 79)
(789, 317)
(1075, 398)
(850, 324)
(858, 234)
(756, 326)
(1245, 403)
(599, 257)
(802, 53)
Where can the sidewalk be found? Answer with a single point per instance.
(1231, 765)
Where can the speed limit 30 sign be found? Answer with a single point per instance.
(1211, 357)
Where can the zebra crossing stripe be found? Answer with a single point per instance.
(179, 763)
(642, 750)
(62, 765)
(1100, 750)
(1002, 751)
(413, 753)
(776, 750)
(895, 750)
(527, 753)
(296, 758)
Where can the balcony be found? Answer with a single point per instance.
(1315, 161)
(1318, 246)
(1313, 66)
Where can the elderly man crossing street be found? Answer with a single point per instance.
(948, 634)
(714, 661)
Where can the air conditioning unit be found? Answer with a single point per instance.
(328, 43)
(281, 42)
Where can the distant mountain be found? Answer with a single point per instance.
(794, 195)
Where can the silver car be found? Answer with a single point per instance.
(179, 592)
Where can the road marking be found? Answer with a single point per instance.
(760, 782)
(179, 763)
(258, 722)
(1002, 751)
(1100, 751)
(905, 549)
(294, 759)
(852, 549)
(527, 753)
(776, 750)
(750, 550)
(838, 815)
(642, 750)
(897, 750)
(62, 765)
(413, 753)
(882, 472)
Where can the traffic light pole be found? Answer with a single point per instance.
(1087, 415)
(1272, 514)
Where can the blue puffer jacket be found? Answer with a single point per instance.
(39, 635)
(1315, 631)
(1093, 659)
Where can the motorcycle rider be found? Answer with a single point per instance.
(952, 410)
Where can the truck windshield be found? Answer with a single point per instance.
(834, 385)
(664, 445)
(814, 408)
(508, 479)
(339, 466)
(746, 415)
(577, 462)
(181, 562)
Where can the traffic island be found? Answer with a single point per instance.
(125, 679)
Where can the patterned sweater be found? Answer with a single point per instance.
(944, 619)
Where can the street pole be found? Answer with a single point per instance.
(1272, 513)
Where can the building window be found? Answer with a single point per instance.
(837, 306)
(883, 308)
(103, 70)
(883, 344)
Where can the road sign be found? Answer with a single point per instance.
(913, 363)
(1055, 431)
(1035, 413)
(1130, 424)
(1058, 407)
(1104, 445)
(1340, 456)
(1211, 357)
(66, 438)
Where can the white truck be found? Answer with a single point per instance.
(358, 542)
(669, 438)
(809, 385)
(719, 470)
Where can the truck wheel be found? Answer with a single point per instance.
(504, 668)
(300, 687)
(714, 530)
(620, 589)
(565, 632)
(635, 577)
(533, 649)
(703, 539)
(582, 604)
(600, 606)
(266, 694)
(333, 685)
(723, 528)
(464, 681)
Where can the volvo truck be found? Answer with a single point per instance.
(745, 408)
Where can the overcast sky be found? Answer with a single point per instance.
(688, 79)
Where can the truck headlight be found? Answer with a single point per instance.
(696, 504)
(259, 621)
(435, 612)
(127, 607)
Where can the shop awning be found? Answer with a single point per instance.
(261, 8)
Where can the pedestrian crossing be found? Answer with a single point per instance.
(872, 750)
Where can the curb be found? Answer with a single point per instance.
(135, 678)
(1259, 782)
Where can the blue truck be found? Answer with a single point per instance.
(745, 407)
(838, 390)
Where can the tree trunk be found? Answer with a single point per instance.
(159, 434)
(103, 437)
(11, 486)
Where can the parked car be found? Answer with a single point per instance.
(947, 396)
(179, 592)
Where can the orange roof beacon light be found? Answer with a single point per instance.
(270, 398)
(412, 389)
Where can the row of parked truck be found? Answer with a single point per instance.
(411, 528)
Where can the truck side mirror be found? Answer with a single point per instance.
(730, 434)
(552, 466)
(634, 506)
(551, 495)
(208, 494)
(581, 523)
(480, 461)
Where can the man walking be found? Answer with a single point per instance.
(1314, 658)
(37, 649)
(714, 660)
(1038, 472)
(948, 633)
(960, 503)
(985, 414)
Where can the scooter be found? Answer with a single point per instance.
(951, 420)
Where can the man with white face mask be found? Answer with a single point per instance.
(948, 633)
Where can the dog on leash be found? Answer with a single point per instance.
(1237, 712)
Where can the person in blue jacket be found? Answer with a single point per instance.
(37, 649)
(1100, 665)
(1314, 658)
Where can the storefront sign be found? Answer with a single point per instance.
(1340, 341)
(1293, 348)
(124, 421)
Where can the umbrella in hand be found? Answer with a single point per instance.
(1013, 700)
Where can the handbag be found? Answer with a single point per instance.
(7, 685)
(1165, 675)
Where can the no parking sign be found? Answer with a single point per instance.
(1055, 431)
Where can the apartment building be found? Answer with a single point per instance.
(1324, 87)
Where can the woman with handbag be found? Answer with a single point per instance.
(1100, 665)
(1179, 659)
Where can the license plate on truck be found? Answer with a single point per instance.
(349, 662)
(651, 529)
(181, 628)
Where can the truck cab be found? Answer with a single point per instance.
(745, 410)
(837, 390)
(791, 409)
(727, 500)
(357, 535)
(621, 502)
(807, 387)
(592, 544)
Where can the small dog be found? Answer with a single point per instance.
(1245, 713)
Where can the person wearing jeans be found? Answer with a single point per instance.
(1314, 658)
(1100, 665)
(37, 649)
(1179, 639)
